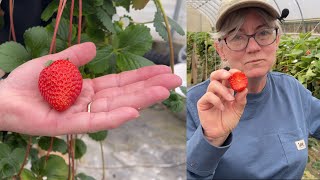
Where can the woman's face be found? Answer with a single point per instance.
(254, 60)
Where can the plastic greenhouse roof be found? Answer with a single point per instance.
(299, 9)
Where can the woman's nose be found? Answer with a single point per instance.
(252, 46)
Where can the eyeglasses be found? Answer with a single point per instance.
(240, 41)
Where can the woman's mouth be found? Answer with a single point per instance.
(254, 61)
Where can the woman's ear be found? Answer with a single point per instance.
(219, 49)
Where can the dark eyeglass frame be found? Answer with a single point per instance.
(254, 37)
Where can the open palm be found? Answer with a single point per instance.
(115, 98)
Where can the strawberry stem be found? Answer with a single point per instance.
(50, 148)
(26, 156)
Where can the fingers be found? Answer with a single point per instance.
(129, 77)
(222, 91)
(218, 92)
(79, 54)
(241, 100)
(169, 81)
(219, 83)
(85, 122)
(209, 100)
(137, 100)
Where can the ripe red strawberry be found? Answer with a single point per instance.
(238, 81)
(60, 84)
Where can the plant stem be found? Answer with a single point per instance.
(50, 148)
(73, 152)
(158, 3)
(69, 156)
(103, 163)
(148, 22)
(70, 23)
(80, 21)
(26, 156)
(60, 10)
(11, 21)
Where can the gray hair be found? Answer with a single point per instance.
(235, 20)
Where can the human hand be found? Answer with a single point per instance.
(115, 98)
(219, 109)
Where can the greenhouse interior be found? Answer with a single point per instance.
(298, 54)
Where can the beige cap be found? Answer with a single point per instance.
(228, 6)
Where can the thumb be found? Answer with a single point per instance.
(241, 101)
(79, 54)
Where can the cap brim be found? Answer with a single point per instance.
(247, 4)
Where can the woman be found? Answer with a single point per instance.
(261, 132)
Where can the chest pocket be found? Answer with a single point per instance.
(272, 156)
(295, 146)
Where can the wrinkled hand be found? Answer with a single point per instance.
(115, 98)
(219, 110)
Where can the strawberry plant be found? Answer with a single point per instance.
(121, 44)
(208, 59)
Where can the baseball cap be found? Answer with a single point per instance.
(228, 6)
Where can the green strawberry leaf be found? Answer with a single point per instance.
(124, 3)
(127, 61)
(10, 165)
(96, 35)
(135, 39)
(80, 148)
(50, 10)
(93, 21)
(37, 41)
(98, 136)
(82, 176)
(34, 139)
(34, 154)
(58, 144)
(54, 169)
(101, 63)
(175, 102)
(160, 27)
(98, 2)
(109, 7)
(7, 169)
(63, 30)
(175, 26)
(105, 19)
(12, 55)
(27, 175)
(4, 150)
(88, 7)
(139, 4)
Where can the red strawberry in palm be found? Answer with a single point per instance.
(60, 84)
(238, 81)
